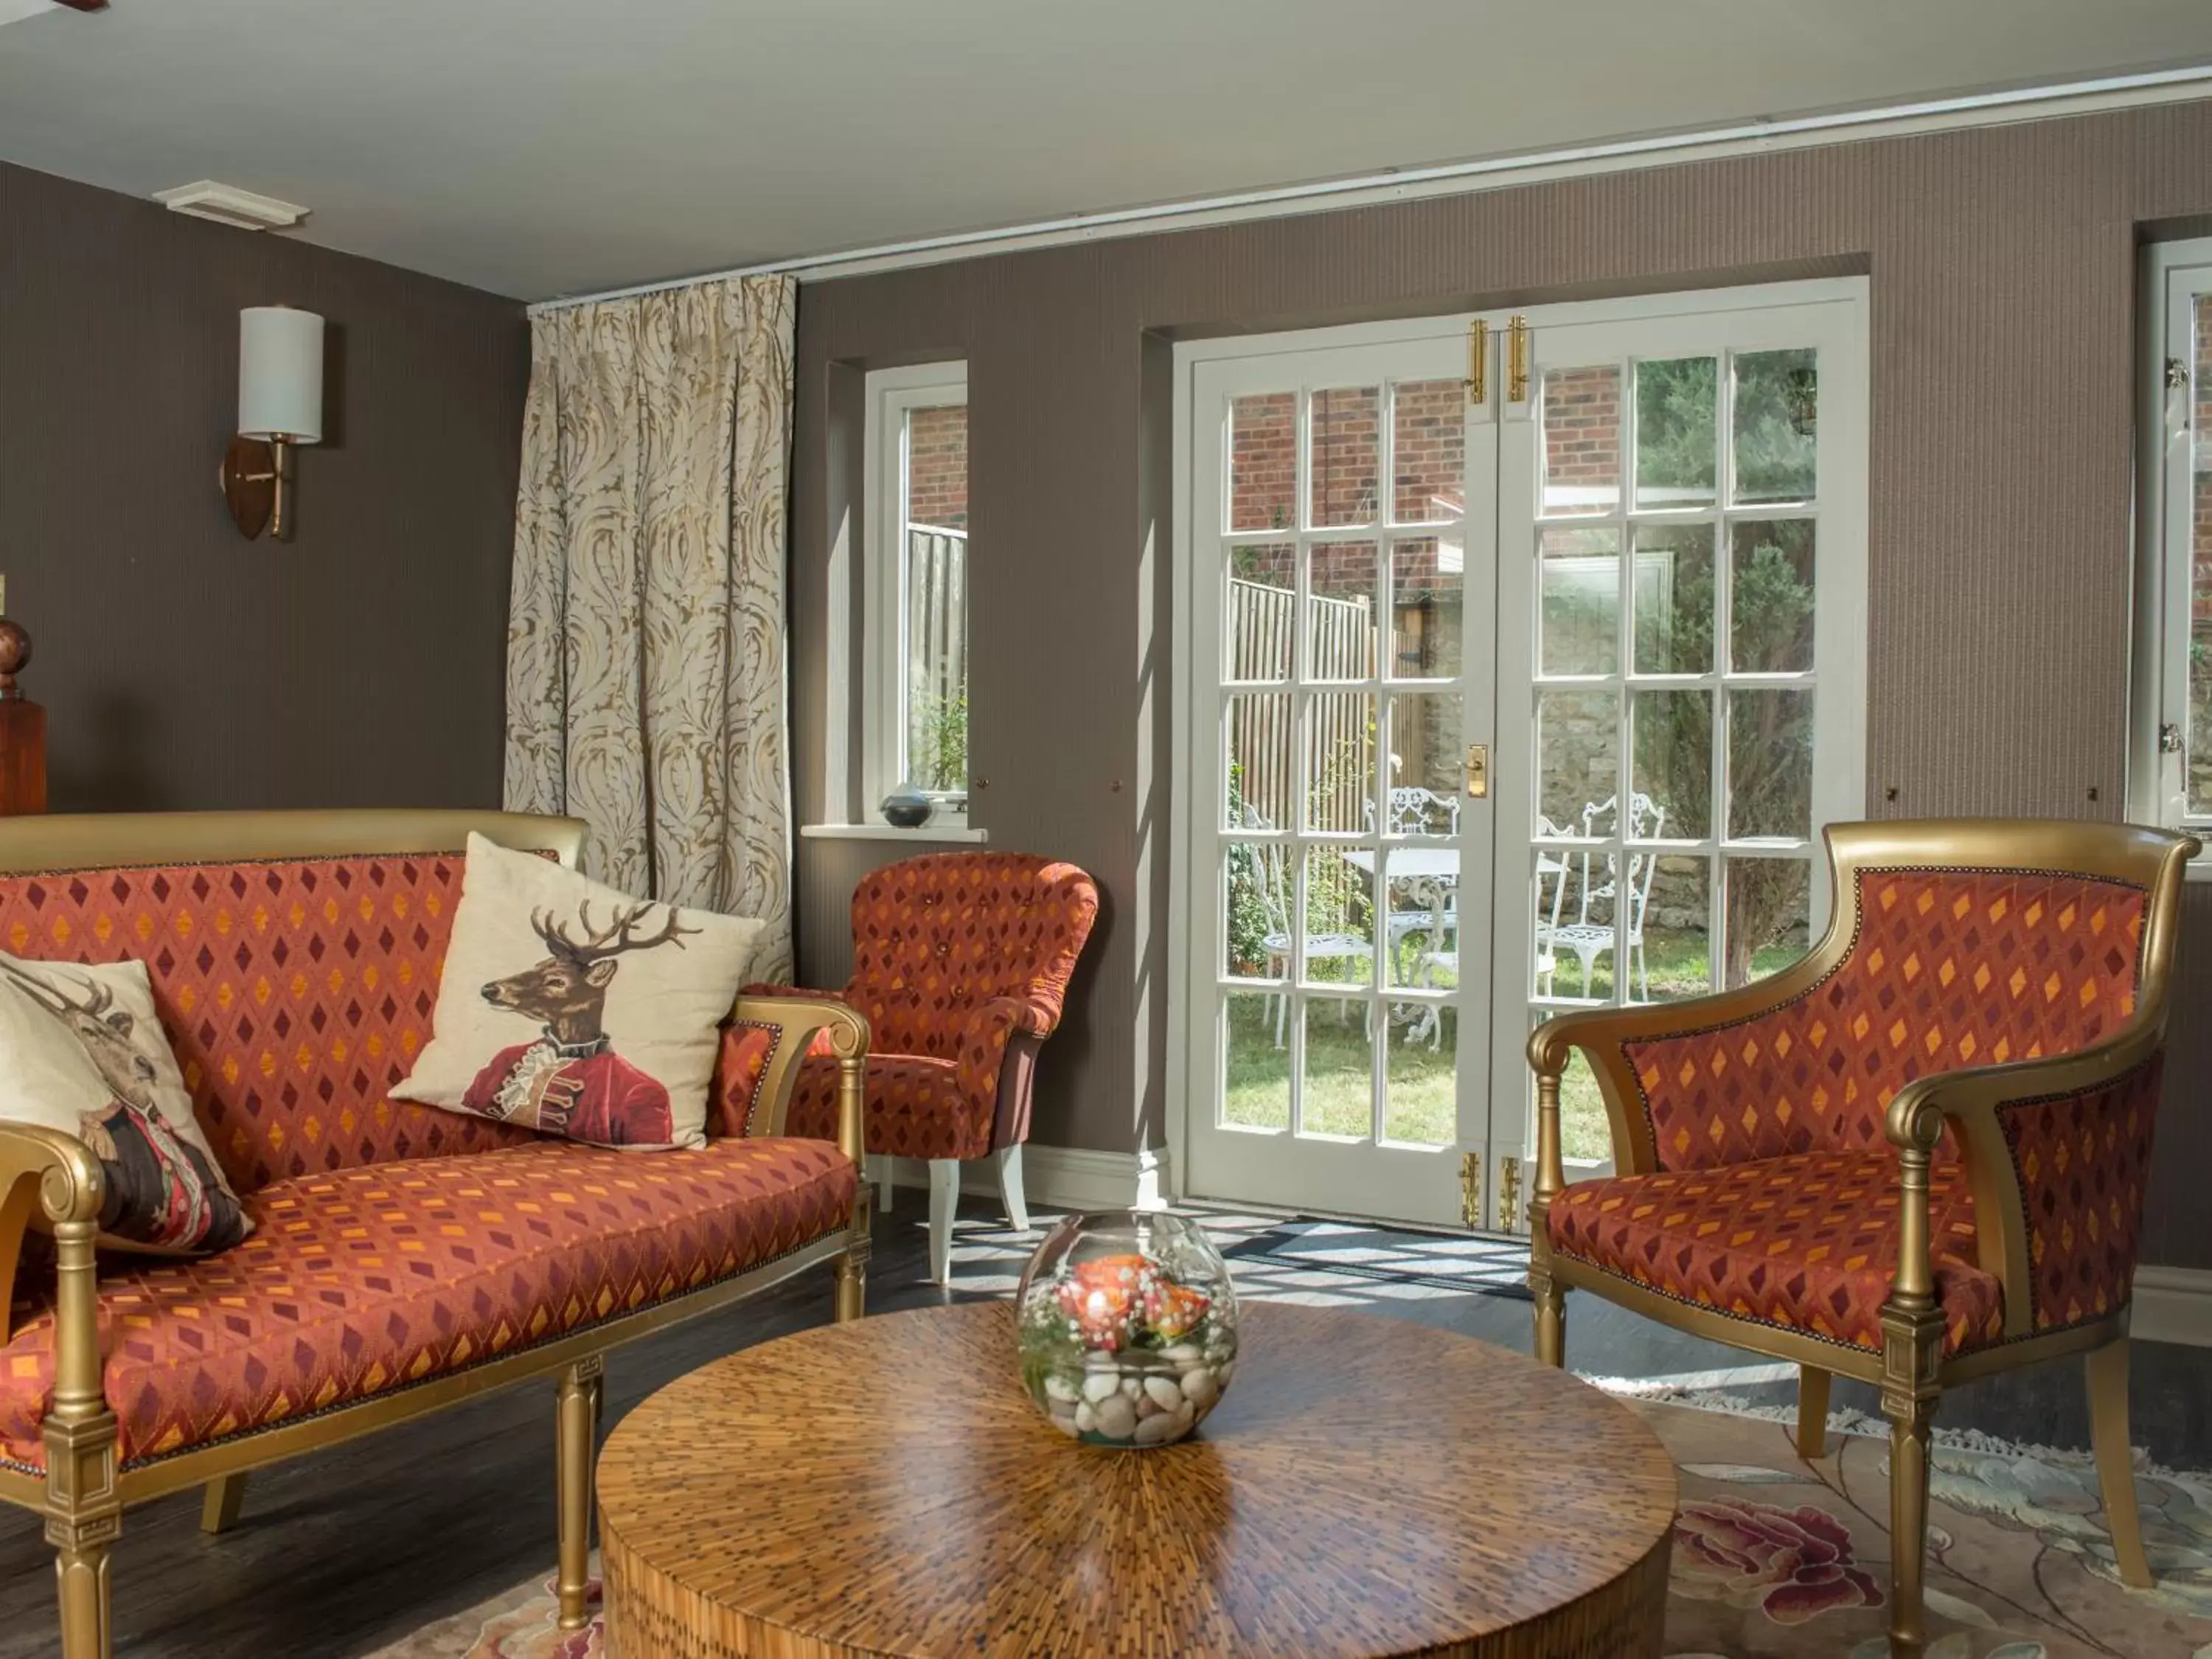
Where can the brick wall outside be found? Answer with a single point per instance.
(1582, 426)
(937, 467)
(1428, 456)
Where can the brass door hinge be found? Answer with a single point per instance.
(1470, 1189)
(1509, 1194)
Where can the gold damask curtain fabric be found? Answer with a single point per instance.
(645, 670)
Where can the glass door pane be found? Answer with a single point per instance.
(1668, 493)
(1350, 618)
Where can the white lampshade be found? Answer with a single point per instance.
(280, 373)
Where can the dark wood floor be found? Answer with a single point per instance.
(340, 1553)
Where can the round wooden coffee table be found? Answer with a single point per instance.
(1368, 1486)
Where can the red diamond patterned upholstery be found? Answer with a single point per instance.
(1950, 968)
(1807, 1241)
(1776, 1195)
(296, 993)
(954, 956)
(365, 1278)
(2084, 1166)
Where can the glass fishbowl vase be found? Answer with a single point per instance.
(1127, 1327)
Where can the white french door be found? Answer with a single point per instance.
(1518, 674)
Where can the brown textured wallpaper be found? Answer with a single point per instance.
(359, 664)
(2001, 263)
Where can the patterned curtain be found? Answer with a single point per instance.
(645, 672)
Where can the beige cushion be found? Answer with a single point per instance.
(81, 1050)
(570, 1008)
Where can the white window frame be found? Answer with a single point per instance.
(2173, 275)
(892, 394)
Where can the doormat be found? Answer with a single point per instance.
(1449, 1261)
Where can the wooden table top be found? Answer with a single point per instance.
(1368, 1485)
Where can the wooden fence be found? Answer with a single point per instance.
(937, 650)
(1262, 641)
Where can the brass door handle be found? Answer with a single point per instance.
(1478, 770)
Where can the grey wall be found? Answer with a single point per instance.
(359, 664)
(2002, 265)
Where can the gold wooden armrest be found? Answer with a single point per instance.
(54, 1180)
(1968, 1101)
(797, 1019)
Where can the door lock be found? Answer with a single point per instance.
(1478, 770)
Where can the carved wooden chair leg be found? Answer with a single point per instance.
(83, 1514)
(1551, 1315)
(1812, 1411)
(2108, 1434)
(219, 1506)
(1912, 1352)
(576, 1409)
(853, 1274)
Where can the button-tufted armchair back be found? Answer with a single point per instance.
(936, 936)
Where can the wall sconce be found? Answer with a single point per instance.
(280, 402)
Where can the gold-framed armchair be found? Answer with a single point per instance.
(1916, 1157)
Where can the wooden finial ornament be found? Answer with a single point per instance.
(22, 723)
(14, 655)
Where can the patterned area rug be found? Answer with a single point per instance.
(1487, 1266)
(1778, 1559)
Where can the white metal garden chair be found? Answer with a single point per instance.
(1273, 884)
(1588, 940)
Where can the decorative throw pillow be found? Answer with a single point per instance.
(569, 1008)
(81, 1050)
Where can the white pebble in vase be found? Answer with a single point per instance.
(1159, 1431)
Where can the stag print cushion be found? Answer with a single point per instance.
(81, 1050)
(569, 1008)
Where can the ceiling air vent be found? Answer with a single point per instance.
(228, 205)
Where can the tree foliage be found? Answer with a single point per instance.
(1770, 572)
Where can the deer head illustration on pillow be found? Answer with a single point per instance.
(569, 1080)
(161, 1188)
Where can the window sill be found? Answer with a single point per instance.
(931, 831)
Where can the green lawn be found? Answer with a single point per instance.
(1420, 1104)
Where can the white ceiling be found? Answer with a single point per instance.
(545, 146)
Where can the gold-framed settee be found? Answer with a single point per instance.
(294, 958)
(1916, 1157)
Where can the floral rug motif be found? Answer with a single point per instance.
(1778, 1559)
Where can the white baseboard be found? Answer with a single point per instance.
(2172, 1304)
(1062, 1177)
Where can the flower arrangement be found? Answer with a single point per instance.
(1126, 1329)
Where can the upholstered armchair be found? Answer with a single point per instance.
(960, 962)
(1916, 1157)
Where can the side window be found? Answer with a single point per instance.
(916, 600)
(2171, 760)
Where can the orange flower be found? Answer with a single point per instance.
(1100, 1295)
(1172, 1309)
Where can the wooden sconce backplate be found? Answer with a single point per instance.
(249, 484)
